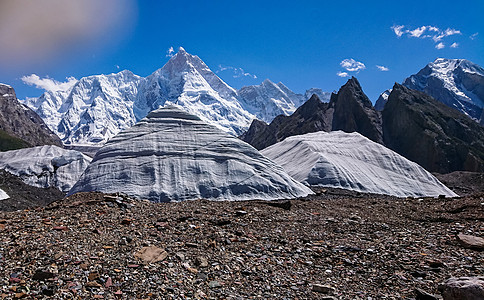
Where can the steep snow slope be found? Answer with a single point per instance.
(172, 155)
(92, 111)
(458, 83)
(45, 166)
(3, 195)
(382, 100)
(187, 81)
(268, 100)
(352, 161)
(323, 96)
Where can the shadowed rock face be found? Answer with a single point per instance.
(21, 123)
(310, 117)
(430, 133)
(353, 112)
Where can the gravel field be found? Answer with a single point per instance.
(333, 245)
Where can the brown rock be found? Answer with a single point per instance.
(151, 254)
(470, 241)
(463, 288)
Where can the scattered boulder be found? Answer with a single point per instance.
(463, 288)
(470, 241)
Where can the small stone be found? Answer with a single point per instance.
(324, 289)
(423, 295)
(126, 221)
(201, 262)
(42, 275)
(118, 293)
(60, 228)
(214, 284)
(93, 276)
(108, 283)
(240, 213)
(471, 242)
(93, 284)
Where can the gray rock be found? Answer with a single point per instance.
(470, 241)
(463, 288)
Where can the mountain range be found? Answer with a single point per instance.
(97, 107)
(412, 123)
(458, 83)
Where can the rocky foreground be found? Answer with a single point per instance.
(333, 245)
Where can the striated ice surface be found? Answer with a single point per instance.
(352, 161)
(45, 166)
(172, 155)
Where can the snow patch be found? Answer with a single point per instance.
(3, 195)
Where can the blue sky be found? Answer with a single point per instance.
(303, 44)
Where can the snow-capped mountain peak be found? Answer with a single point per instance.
(98, 107)
(455, 82)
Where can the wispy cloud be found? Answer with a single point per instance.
(398, 29)
(48, 84)
(170, 52)
(382, 68)
(474, 36)
(117, 67)
(426, 32)
(342, 74)
(352, 65)
(454, 45)
(237, 72)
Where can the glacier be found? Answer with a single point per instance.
(351, 161)
(45, 166)
(172, 155)
(97, 107)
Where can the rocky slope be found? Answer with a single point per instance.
(354, 112)
(172, 155)
(351, 161)
(19, 125)
(333, 245)
(312, 116)
(349, 110)
(430, 133)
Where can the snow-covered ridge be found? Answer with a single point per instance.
(98, 107)
(45, 166)
(172, 155)
(455, 82)
(352, 161)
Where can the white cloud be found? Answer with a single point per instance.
(48, 84)
(117, 67)
(237, 72)
(449, 32)
(342, 74)
(398, 29)
(382, 68)
(352, 65)
(170, 52)
(454, 45)
(474, 36)
(425, 32)
(418, 32)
